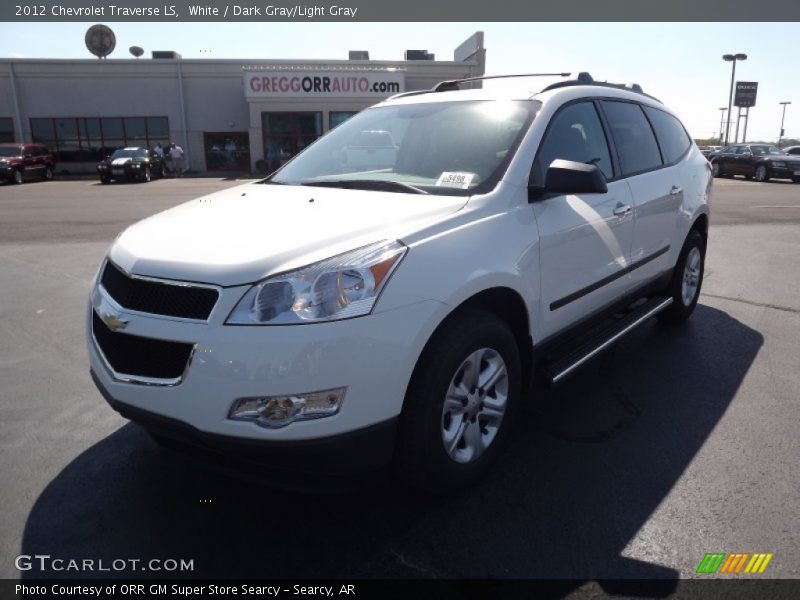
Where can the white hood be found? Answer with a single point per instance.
(243, 234)
(120, 162)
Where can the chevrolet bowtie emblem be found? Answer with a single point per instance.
(113, 322)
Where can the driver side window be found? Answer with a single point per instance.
(576, 134)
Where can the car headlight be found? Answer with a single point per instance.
(778, 163)
(340, 287)
(135, 166)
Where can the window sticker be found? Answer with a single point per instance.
(455, 179)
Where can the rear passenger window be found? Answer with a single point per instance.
(575, 133)
(671, 134)
(633, 136)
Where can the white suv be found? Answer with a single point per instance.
(332, 320)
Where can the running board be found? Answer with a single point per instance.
(565, 364)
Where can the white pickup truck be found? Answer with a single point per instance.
(326, 324)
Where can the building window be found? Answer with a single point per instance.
(6, 130)
(286, 134)
(337, 117)
(91, 139)
(227, 151)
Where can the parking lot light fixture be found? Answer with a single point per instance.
(731, 58)
(783, 117)
(722, 110)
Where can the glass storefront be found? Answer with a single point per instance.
(337, 117)
(286, 134)
(6, 130)
(227, 151)
(94, 138)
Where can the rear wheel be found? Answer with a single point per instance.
(716, 170)
(48, 173)
(146, 176)
(460, 404)
(687, 279)
(18, 176)
(761, 173)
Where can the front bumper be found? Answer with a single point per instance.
(332, 464)
(372, 356)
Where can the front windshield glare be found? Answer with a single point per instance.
(438, 147)
(126, 153)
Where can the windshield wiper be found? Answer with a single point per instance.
(368, 184)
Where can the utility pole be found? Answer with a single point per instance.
(783, 117)
(721, 123)
(732, 58)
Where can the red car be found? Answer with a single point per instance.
(23, 161)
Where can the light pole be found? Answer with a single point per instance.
(780, 137)
(722, 110)
(732, 58)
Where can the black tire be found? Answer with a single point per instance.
(762, 174)
(47, 175)
(146, 175)
(105, 179)
(18, 177)
(796, 179)
(679, 310)
(716, 169)
(421, 457)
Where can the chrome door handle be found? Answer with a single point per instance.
(621, 209)
(675, 190)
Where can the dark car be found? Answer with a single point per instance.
(19, 162)
(794, 150)
(131, 164)
(760, 161)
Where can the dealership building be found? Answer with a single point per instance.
(225, 114)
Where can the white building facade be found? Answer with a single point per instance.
(227, 115)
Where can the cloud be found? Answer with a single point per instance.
(17, 55)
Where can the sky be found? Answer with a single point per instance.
(679, 63)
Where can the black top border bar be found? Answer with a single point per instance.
(394, 11)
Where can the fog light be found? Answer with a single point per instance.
(279, 411)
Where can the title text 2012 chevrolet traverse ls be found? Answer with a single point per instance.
(335, 319)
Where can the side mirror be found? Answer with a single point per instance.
(570, 177)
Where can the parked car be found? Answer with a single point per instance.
(793, 150)
(131, 164)
(322, 324)
(19, 162)
(760, 161)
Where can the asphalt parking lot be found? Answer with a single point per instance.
(675, 443)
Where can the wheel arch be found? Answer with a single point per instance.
(508, 305)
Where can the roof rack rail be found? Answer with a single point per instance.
(631, 87)
(452, 84)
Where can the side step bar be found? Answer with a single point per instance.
(585, 351)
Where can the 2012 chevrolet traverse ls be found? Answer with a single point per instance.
(339, 316)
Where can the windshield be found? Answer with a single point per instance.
(9, 151)
(435, 148)
(129, 153)
(763, 150)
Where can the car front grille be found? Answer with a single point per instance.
(140, 356)
(159, 298)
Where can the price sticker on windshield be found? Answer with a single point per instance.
(455, 179)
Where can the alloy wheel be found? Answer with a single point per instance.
(475, 405)
(691, 276)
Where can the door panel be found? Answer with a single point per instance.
(585, 249)
(657, 199)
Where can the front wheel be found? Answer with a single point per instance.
(460, 404)
(146, 176)
(48, 173)
(716, 170)
(104, 179)
(687, 279)
(761, 174)
(18, 176)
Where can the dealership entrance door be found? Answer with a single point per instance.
(286, 134)
(227, 151)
